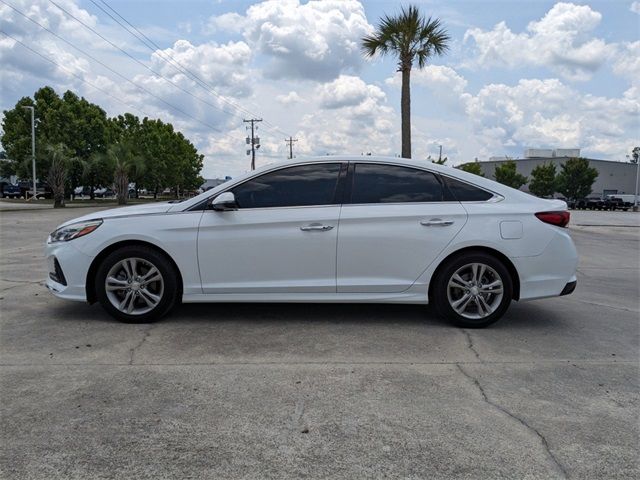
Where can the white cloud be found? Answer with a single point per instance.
(635, 7)
(560, 41)
(225, 66)
(444, 82)
(359, 121)
(227, 22)
(627, 61)
(317, 40)
(289, 98)
(549, 113)
(347, 91)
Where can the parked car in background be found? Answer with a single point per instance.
(42, 189)
(104, 193)
(591, 203)
(628, 199)
(10, 190)
(613, 202)
(329, 229)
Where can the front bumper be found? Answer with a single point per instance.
(72, 269)
(569, 288)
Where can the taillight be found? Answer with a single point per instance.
(559, 219)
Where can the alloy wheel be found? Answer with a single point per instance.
(134, 286)
(475, 291)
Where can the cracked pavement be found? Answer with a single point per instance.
(320, 391)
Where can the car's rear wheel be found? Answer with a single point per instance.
(136, 284)
(473, 290)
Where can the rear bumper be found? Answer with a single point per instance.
(550, 274)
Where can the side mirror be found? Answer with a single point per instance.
(224, 202)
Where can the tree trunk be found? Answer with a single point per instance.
(122, 185)
(405, 112)
(58, 200)
(92, 193)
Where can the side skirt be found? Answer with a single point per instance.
(404, 297)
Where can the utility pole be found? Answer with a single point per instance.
(290, 141)
(253, 141)
(636, 158)
(440, 156)
(33, 147)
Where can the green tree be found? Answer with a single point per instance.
(125, 164)
(170, 159)
(439, 161)
(409, 36)
(81, 126)
(57, 175)
(543, 180)
(96, 172)
(576, 178)
(507, 175)
(472, 167)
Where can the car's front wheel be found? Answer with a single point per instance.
(136, 284)
(473, 290)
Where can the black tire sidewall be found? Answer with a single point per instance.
(439, 291)
(160, 261)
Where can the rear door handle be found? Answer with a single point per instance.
(436, 222)
(316, 226)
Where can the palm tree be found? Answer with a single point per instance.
(57, 174)
(126, 164)
(410, 36)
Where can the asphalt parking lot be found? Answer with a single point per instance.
(322, 391)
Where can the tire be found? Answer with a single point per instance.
(476, 313)
(147, 300)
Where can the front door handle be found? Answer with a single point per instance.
(436, 222)
(316, 226)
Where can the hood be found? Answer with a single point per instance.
(144, 209)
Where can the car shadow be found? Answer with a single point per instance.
(520, 316)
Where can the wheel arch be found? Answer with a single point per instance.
(515, 278)
(95, 264)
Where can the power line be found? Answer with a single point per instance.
(74, 74)
(117, 73)
(150, 44)
(139, 62)
(254, 141)
(290, 141)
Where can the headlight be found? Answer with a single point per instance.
(75, 230)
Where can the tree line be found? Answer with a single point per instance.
(574, 180)
(77, 144)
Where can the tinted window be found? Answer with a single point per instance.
(290, 187)
(391, 184)
(463, 192)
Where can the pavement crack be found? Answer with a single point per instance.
(470, 344)
(603, 305)
(132, 351)
(19, 283)
(557, 465)
(297, 421)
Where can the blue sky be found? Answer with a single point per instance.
(518, 74)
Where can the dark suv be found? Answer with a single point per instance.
(11, 191)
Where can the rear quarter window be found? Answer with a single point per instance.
(465, 192)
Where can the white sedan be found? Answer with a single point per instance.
(330, 229)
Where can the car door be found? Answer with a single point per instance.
(393, 224)
(282, 237)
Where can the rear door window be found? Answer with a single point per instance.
(380, 183)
